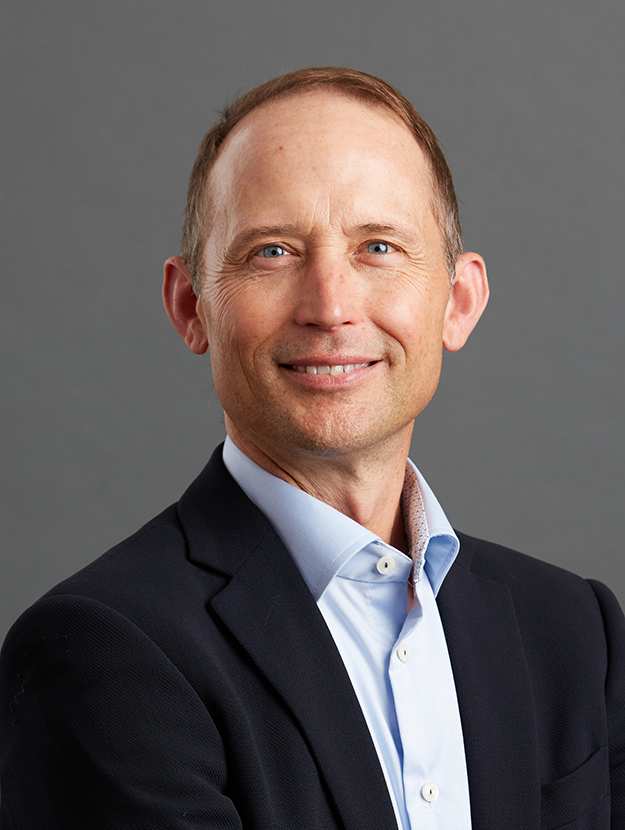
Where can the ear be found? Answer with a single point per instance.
(467, 301)
(182, 305)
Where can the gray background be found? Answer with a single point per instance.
(106, 416)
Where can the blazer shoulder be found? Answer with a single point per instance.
(164, 575)
(502, 564)
(158, 558)
(581, 615)
(152, 547)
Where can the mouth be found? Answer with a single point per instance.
(336, 369)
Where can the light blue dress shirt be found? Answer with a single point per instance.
(397, 661)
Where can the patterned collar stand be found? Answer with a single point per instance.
(415, 521)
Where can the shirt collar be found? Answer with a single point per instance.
(321, 539)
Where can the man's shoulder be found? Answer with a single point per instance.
(505, 564)
(157, 549)
(145, 583)
(174, 561)
(159, 580)
(193, 531)
(532, 582)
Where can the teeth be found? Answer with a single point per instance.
(331, 370)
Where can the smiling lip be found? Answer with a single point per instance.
(328, 368)
(330, 373)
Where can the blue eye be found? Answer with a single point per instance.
(273, 251)
(378, 248)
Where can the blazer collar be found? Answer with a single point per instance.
(494, 695)
(268, 608)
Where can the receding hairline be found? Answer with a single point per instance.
(340, 81)
(319, 91)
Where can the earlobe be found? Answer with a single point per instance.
(467, 301)
(182, 305)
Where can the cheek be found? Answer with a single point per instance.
(418, 329)
(402, 318)
(238, 322)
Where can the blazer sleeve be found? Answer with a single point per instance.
(100, 730)
(614, 623)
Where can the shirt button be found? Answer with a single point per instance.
(385, 565)
(403, 652)
(429, 791)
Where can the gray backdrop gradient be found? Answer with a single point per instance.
(106, 416)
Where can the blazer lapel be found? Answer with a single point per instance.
(268, 608)
(494, 697)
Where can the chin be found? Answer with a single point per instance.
(334, 437)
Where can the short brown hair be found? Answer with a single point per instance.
(343, 81)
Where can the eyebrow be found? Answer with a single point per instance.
(245, 238)
(377, 229)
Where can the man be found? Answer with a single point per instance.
(303, 641)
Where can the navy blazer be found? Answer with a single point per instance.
(186, 679)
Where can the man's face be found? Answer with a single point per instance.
(325, 286)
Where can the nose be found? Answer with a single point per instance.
(328, 294)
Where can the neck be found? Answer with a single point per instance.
(366, 486)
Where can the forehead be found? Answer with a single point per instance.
(319, 143)
(290, 116)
